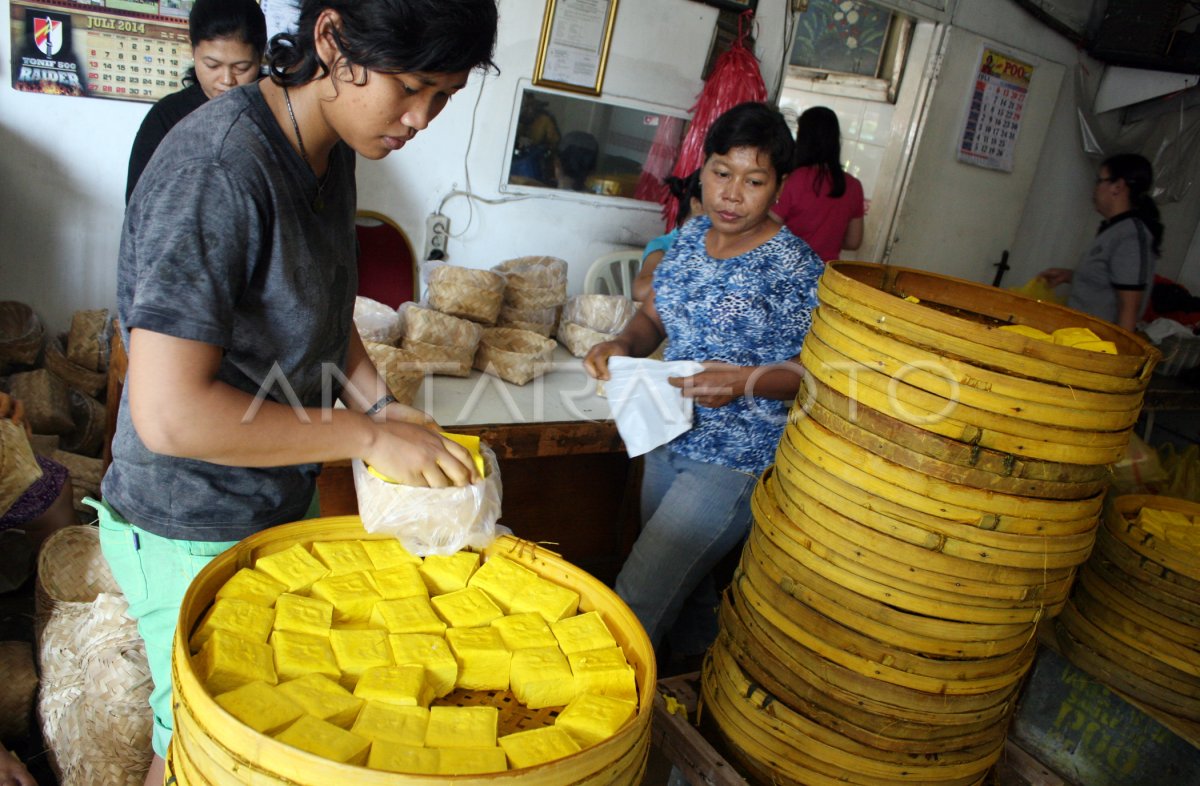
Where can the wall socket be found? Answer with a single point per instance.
(437, 236)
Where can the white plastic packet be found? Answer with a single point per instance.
(432, 521)
(648, 411)
(376, 321)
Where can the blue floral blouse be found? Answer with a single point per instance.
(750, 310)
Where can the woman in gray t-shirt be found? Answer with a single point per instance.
(1114, 279)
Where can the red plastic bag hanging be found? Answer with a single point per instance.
(735, 79)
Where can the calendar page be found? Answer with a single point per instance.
(129, 49)
(997, 102)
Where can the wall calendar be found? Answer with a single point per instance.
(125, 49)
(997, 103)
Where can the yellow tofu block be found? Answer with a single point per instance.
(462, 727)
(605, 672)
(227, 661)
(399, 581)
(466, 608)
(1026, 330)
(1107, 347)
(303, 614)
(404, 685)
(352, 595)
(393, 757)
(471, 443)
(502, 579)
(591, 718)
(537, 746)
(1070, 336)
(483, 660)
(388, 553)
(541, 678)
(380, 721)
(251, 585)
(342, 557)
(582, 632)
(325, 740)
(297, 654)
(293, 567)
(444, 574)
(546, 598)
(407, 615)
(524, 631)
(260, 706)
(359, 650)
(323, 698)
(472, 761)
(248, 620)
(432, 652)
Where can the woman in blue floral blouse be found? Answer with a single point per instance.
(736, 292)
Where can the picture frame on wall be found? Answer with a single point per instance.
(732, 5)
(574, 44)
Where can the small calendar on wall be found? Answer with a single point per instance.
(125, 49)
(997, 103)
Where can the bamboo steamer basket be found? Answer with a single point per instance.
(88, 414)
(516, 356)
(403, 371)
(210, 747)
(466, 292)
(951, 307)
(87, 341)
(47, 403)
(84, 380)
(20, 333)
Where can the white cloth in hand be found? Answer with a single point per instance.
(649, 411)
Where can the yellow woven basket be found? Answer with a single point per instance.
(209, 746)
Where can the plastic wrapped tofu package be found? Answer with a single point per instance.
(428, 520)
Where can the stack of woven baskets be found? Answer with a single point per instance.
(61, 380)
(588, 320)
(1133, 620)
(938, 484)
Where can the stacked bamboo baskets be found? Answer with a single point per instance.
(1133, 620)
(937, 485)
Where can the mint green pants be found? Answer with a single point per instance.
(154, 573)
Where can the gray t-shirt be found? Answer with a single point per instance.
(1120, 258)
(229, 240)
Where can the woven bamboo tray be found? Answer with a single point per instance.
(20, 333)
(446, 360)
(534, 272)
(434, 327)
(85, 380)
(467, 293)
(516, 356)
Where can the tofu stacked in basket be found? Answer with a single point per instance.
(362, 653)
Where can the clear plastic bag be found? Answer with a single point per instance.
(601, 313)
(432, 521)
(376, 321)
(1140, 471)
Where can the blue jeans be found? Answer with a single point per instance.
(693, 514)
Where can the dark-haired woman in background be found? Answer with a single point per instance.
(235, 291)
(1114, 279)
(735, 291)
(686, 191)
(821, 203)
(228, 39)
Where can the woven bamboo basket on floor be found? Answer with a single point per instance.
(88, 414)
(210, 747)
(86, 473)
(1134, 617)
(516, 356)
(46, 400)
(20, 681)
(20, 333)
(91, 382)
(87, 340)
(937, 487)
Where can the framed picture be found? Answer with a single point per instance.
(573, 49)
(732, 5)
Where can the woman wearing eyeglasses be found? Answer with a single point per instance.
(1113, 280)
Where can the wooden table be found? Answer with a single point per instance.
(567, 480)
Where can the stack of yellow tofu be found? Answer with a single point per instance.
(354, 651)
(1078, 337)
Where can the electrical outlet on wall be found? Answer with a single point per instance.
(437, 236)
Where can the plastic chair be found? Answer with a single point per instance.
(613, 273)
(387, 266)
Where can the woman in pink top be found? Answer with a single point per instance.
(820, 203)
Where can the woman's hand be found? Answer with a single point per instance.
(13, 772)
(715, 386)
(14, 410)
(416, 455)
(596, 361)
(1057, 275)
